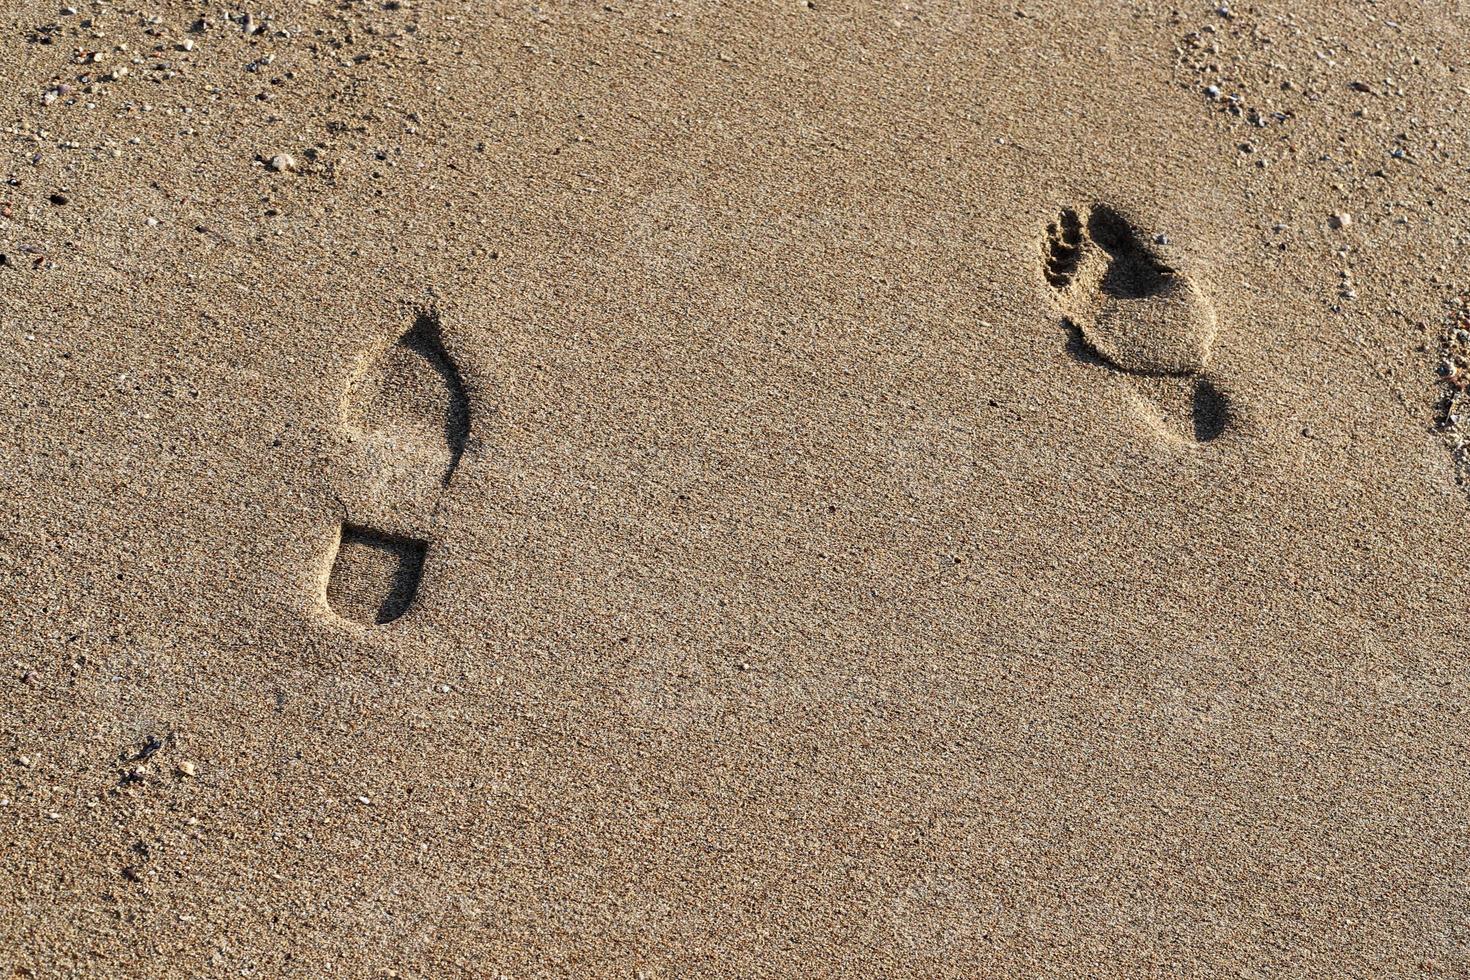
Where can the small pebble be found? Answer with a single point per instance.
(282, 162)
(1341, 219)
(187, 768)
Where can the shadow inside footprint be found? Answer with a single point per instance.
(1132, 273)
(374, 576)
(1211, 413)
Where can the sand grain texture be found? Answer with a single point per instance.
(810, 585)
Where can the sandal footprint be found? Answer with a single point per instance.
(1128, 308)
(408, 418)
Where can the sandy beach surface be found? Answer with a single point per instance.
(781, 489)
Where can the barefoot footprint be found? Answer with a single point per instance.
(1128, 308)
(408, 416)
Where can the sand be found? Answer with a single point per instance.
(781, 489)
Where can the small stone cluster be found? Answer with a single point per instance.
(1453, 418)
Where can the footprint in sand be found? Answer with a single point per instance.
(1129, 308)
(408, 417)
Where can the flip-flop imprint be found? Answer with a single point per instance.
(409, 414)
(1129, 308)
